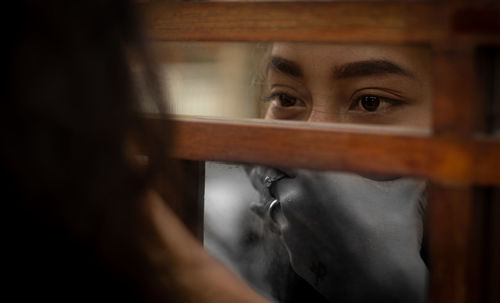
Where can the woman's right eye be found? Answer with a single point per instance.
(285, 100)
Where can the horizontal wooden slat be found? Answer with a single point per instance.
(392, 22)
(291, 144)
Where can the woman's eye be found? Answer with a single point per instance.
(373, 103)
(369, 103)
(285, 100)
(285, 106)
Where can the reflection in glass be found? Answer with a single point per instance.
(211, 79)
(309, 236)
(356, 84)
(336, 83)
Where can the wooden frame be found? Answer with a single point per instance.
(453, 157)
(390, 22)
(450, 160)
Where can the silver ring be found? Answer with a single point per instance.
(272, 208)
(273, 204)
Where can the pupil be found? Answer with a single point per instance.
(370, 103)
(286, 100)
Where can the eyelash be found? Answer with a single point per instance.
(279, 95)
(357, 104)
(384, 103)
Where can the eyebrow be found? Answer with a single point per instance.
(369, 68)
(349, 70)
(285, 66)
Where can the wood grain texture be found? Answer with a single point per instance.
(456, 213)
(292, 144)
(392, 22)
(454, 266)
(457, 106)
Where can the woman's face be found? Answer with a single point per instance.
(349, 236)
(359, 84)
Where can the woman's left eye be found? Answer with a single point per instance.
(369, 103)
(373, 103)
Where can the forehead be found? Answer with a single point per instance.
(315, 57)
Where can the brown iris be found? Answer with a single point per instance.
(370, 103)
(287, 100)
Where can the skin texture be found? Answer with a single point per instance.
(352, 238)
(321, 96)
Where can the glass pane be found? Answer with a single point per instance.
(211, 79)
(310, 236)
(359, 84)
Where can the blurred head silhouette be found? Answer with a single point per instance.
(75, 72)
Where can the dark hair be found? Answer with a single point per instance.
(71, 192)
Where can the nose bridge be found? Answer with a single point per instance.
(324, 106)
(324, 109)
(321, 116)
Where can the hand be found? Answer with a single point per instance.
(352, 238)
(189, 273)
